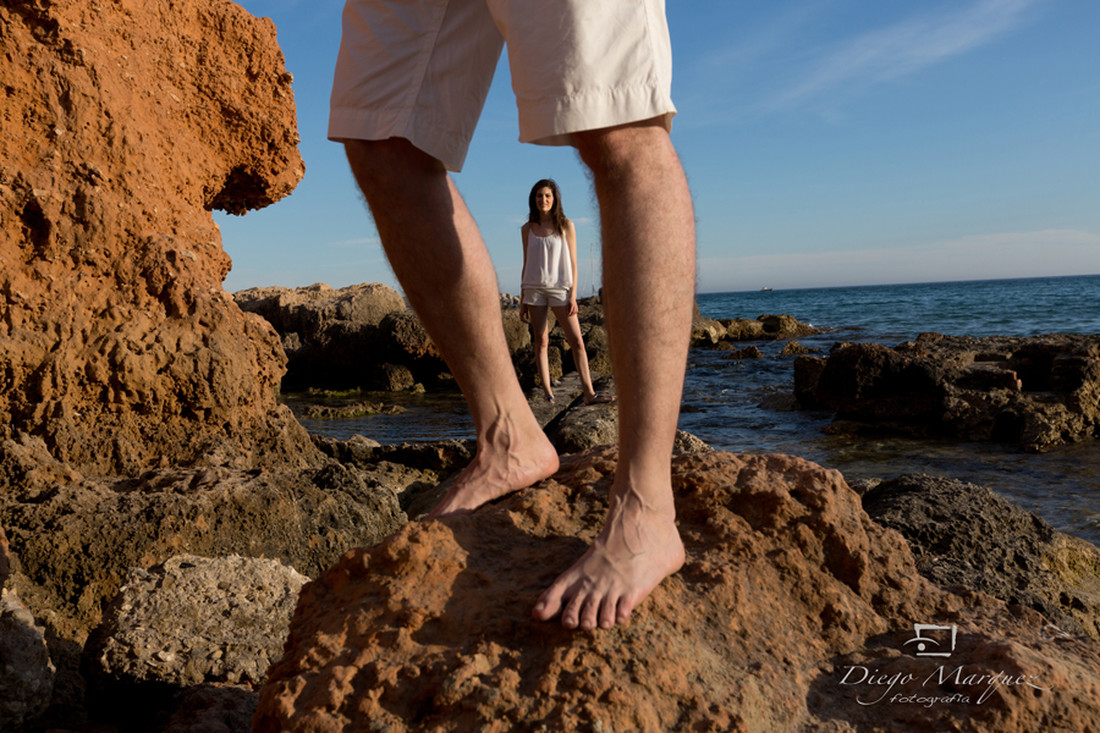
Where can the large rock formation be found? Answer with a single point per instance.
(1033, 393)
(722, 333)
(361, 336)
(964, 534)
(794, 611)
(364, 337)
(124, 125)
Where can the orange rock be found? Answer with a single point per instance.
(124, 124)
(788, 586)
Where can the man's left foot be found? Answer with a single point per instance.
(637, 549)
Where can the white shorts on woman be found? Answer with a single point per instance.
(553, 297)
(421, 69)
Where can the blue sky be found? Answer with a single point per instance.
(827, 143)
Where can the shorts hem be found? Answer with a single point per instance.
(540, 295)
(555, 121)
(349, 123)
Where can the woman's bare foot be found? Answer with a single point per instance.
(637, 549)
(597, 398)
(508, 458)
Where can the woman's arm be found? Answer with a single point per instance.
(523, 270)
(571, 240)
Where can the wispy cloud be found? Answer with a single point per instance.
(854, 65)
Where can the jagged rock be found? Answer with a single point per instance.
(26, 672)
(123, 129)
(705, 331)
(766, 327)
(311, 310)
(964, 534)
(749, 352)
(788, 588)
(361, 336)
(575, 427)
(395, 378)
(1034, 393)
(785, 327)
(743, 329)
(686, 444)
(793, 348)
(77, 540)
(516, 332)
(190, 621)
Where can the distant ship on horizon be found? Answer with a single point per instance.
(765, 289)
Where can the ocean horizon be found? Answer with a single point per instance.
(743, 405)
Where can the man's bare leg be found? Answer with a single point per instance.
(438, 255)
(649, 278)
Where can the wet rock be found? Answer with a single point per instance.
(1033, 393)
(965, 534)
(743, 329)
(26, 672)
(749, 352)
(708, 332)
(787, 585)
(793, 348)
(189, 621)
(579, 427)
(355, 409)
(785, 327)
(122, 352)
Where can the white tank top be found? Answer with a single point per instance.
(548, 264)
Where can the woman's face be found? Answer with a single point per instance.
(544, 200)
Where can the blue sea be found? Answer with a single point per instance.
(738, 405)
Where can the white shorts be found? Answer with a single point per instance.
(421, 69)
(545, 296)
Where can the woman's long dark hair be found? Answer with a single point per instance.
(557, 215)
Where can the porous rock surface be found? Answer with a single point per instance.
(965, 534)
(123, 125)
(1031, 392)
(192, 620)
(788, 591)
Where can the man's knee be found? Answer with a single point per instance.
(613, 148)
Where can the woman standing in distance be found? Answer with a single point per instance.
(550, 282)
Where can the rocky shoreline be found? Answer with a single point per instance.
(178, 554)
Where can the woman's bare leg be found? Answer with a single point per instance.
(438, 255)
(572, 328)
(540, 342)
